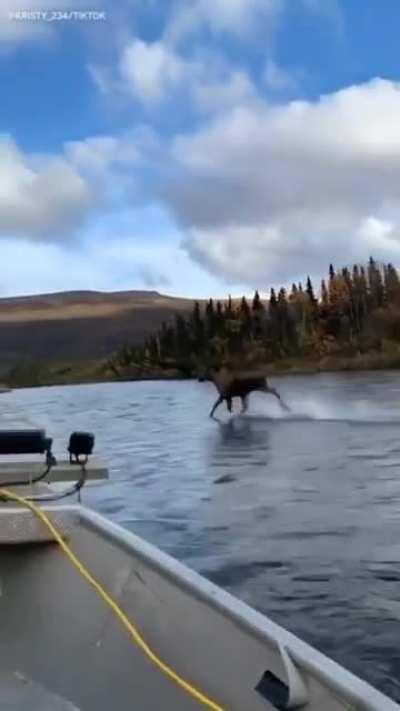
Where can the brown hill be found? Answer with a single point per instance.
(79, 325)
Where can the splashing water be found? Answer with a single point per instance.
(313, 407)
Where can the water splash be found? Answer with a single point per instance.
(315, 408)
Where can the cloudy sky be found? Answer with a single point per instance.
(196, 147)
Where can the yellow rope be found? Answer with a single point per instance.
(135, 634)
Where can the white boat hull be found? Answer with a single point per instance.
(58, 634)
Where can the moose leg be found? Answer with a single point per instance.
(216, 404)
(245, 404)
(274, 392)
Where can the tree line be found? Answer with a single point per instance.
(355, 311)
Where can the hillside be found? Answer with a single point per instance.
(79, 325)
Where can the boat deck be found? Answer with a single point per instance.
(65, 642)
(18, 693)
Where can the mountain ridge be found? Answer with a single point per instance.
(79, 325)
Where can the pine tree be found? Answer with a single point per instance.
(347, 278)
(273, 328)
(153, 350)
(363, 283)
(282, 297)
(182, 340)
(376, 289)
(166, 340)
(272, 299)
(258, 317)
(246, 318)
(219, 319)
(310, 292)
(244, 307)
(349, 307)
(392, 284)
(210, 319)
(197, 328)
(324, 294)
(358, 299)
(283, 315)
(257, 304)
(229, 308)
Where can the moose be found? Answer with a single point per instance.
(240, 384)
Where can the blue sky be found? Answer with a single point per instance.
(196, 147)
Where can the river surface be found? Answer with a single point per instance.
(298, 515)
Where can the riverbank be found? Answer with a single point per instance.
(38, 375)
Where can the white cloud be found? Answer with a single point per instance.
(267, 191)
(47, 197)
(105, 264)
(230, 16)
(373, 231)
(221, 93)
(151, 70)
(39, 197)
(96, 154)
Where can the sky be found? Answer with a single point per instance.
(196, 147)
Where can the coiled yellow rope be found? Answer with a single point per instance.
(135, 634)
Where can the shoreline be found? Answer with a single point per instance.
(372, 362)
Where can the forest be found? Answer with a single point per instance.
(353, 321)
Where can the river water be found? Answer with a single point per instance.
(298, 515)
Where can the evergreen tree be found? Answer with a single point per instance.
(347, 278)
(229, 308)
(358, 299)
(166, 340)
(283, 318)
(219, 319)
(349, 306)
(363, 284)
(273, 328)
(244, 307)
(392, 284)
(210, 320)
(197, 328)
(257, 303)
(245, 317)
(310, 292)
(153, 352)
(258, 316)
(324, 294)
(182, 340)
(376, 289)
